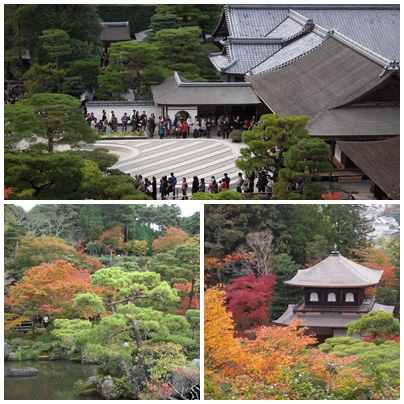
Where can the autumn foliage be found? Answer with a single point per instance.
(261, 365)
(172, 239)
(7, 192)
(112, 238)
(332, 196)
(215, 268)
(48, 289)
(249, 300)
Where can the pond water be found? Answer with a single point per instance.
(54, 381)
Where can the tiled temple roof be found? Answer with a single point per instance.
(376, 28)
(115, 31)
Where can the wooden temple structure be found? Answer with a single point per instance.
(333, 295)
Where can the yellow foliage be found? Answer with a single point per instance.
(249, 367)
(222, 350)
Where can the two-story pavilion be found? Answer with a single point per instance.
(333, 296)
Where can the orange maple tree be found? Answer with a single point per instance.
(34, 251)
(222, 351)
(256, 366)
(374, 258)
(112, 238)
(172, 239)
(48, 289)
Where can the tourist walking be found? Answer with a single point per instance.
(184, 187)
(195, 185)
(208, 127)
(202, 186)
(151, 125)
(124, 120)
(154, 183)
(213, 187)
(161, 127)
(163, 187)
(239, 182)
(184, 128)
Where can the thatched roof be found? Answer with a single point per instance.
(334, 272)
(176, 90)
(379, 160)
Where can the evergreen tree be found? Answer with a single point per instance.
(56, 43)
(129, 62)
(47, 120)
(182, 50)
(268, 143)
(45, 176)
(304, 160)
(350, 228)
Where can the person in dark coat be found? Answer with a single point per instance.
(226, 128)
(154, 183)
(195, 185)
(163, 187)
(202, 186)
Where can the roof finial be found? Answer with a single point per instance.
(335, 252)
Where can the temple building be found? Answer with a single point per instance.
(337, 64)
(334, 294)
(114, 32)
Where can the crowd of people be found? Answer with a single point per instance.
(168, 186)
(13, 95)
(182, 127)
(164, 127)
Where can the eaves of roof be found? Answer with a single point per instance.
(386, 174)
(336, 271)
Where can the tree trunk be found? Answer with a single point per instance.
(50, 144)
(138, 339)
(191, 294)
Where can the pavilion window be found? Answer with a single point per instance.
(314, 297)
(349, 297)
(332, 297)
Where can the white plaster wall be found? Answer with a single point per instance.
(172, 111)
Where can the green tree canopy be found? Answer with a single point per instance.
(182, 50)
(129, 63)
(47, 120)
(377, 323)
(25, 23)
(268, 143)
(305, 160)
(46, 176)
(56, 43)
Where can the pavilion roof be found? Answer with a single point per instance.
(318, 319)
(336, 271)
(325, 319)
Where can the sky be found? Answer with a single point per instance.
(187, 208)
